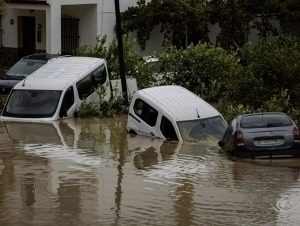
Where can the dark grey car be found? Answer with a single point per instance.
(24, 67)
(269, 134)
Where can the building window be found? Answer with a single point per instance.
(145, 112)
(167, 129)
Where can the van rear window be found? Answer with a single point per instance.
(265, 120)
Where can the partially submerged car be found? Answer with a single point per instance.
(268, 134)
(56, 90)
(174, 113)
(23, 68)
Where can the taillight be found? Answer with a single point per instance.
(296, 134)
(239, 137)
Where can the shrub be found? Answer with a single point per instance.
(203, 69)
(269, 68)
(134, 65)
(102, 108)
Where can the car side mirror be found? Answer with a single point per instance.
(220, 143)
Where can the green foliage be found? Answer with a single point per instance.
(134, 65)
(171, 15)
(102, 108)
(270, 68)
(277, 103)
(203, 69)
(253, 79)
(3, 8)
(233, 17)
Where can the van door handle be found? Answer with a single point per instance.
(152, 133)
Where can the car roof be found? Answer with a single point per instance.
(150, 59)
(59, 72)
(178, 102)
(42, 56)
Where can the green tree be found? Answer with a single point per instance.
(173, 17)
(270, 68)
(233, 17)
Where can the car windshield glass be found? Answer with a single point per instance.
(24, 68)
(203, 129)
(32, 103)
(265, 120)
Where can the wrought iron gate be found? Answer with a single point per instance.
(69, 34)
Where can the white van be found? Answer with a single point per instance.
(174, 113)
(57, 89)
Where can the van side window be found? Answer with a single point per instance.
(145, 112)
(167, 129)
(138, 107)
(86, 86)
(67, 102)
(100, 75)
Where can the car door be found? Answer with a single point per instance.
(147, 117)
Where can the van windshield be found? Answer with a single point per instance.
(203, 129)
(32, 103)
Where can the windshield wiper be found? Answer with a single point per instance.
(274, 124)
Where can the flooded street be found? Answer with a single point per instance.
(91, 172)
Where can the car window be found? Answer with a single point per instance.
(86, 86)
(100, 75)
(24, 68)
(265, 120)
(167, 129)
(145, 112)
(155, 66)
(68, 102)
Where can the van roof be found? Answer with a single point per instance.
(59, 72)
(178, 102)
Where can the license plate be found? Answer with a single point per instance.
(273, 141)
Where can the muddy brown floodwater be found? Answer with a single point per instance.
(91, 172)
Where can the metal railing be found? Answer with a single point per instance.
(9, 57)
(69, 34)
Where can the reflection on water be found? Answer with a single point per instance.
(91, 172)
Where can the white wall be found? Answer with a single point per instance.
(107, 22)
(10, 32)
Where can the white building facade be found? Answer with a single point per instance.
(60, 26)
(54, 26)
